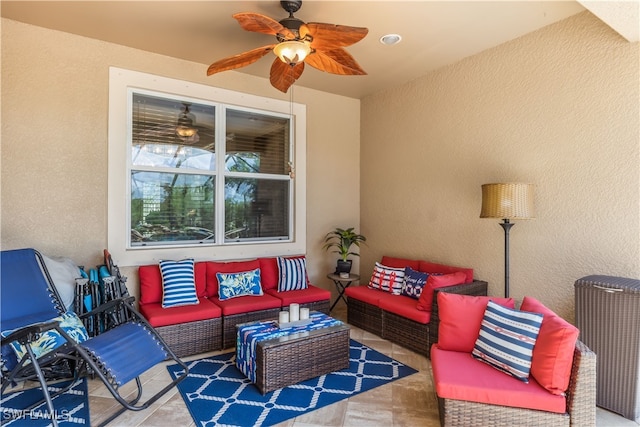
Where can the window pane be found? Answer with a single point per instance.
(171, 207)
(256, 209)
(170, 133)
(257, 143)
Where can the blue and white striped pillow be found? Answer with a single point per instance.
(292, 274)
(506, 340)
(178, 283)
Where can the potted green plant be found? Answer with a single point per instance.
(341, 240)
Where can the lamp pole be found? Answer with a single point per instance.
(507, 226)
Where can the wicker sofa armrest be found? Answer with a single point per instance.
(581, 394)
(475, 288)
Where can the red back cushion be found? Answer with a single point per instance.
(400, 262)
(430, 267)
(460, 319)
(553, 352)
(226, 267)
(151, 282)
(433, 282)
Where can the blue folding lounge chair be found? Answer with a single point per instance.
(33, 322)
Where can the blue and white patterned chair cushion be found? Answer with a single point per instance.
(178, 283)
(506, 339)
(292, 274)
(51, 339)
(388, 279)
(233, 285)
(414, 282)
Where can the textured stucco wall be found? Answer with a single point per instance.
(558, 108)
(54, 143)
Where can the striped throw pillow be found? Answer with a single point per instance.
(506, 339)
(388, 279)
(292, 274)
(178, 283)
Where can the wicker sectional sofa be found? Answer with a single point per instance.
(396, 317)
(211, 324)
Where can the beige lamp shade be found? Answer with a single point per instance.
(507, 201)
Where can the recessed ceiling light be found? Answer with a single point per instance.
(390, 39)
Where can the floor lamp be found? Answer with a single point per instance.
(507, 201)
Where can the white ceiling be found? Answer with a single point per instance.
(435, 33)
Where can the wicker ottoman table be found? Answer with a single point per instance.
(297, 355)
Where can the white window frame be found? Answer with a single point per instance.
(121, 81)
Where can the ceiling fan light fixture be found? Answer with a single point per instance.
(185, 128)
(292, 52)
(390, 39)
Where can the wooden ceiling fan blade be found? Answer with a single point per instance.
(330, 36)
(258, 23)
(336, 61)
(240, 60)
(283, 75)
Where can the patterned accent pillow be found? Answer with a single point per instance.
(178, 283)
(51, 339)
(506, 341)
(388, 279)
(414, 282)
(245, 283)
(292, 274)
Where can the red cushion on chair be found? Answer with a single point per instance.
(247, 304)
(301, 296)
(406, 307)
(553, 352)
(365, 294)
(399, 262)
(460, 319)
(460, 376)
(159, 316)
(226, 267)
(430, 267)
(433, 282)
(151, 282)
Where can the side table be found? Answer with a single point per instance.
(341, 284)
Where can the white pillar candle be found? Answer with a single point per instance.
(283, 317)
(304, 313)
(294, 312)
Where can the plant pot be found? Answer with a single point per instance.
(343, 266)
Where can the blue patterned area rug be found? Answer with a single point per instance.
(217, 393)
(70, 408)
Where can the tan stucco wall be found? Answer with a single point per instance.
(558, 108)
(54, 144)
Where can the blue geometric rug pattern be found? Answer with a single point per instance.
(218, 394)
(70, 408)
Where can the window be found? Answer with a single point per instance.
(204, 172)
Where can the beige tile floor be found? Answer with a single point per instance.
(409, 401)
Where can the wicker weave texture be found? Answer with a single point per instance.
(190, 338)
(229, 323)
(406, 332)
(289, 362)
(581, 404)
(364, 316)
(321, 306)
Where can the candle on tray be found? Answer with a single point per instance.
(294, 312)
(283, 317)
(304, 313)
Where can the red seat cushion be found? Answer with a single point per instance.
(366, 294)
(460, 319)
(553, 353)
(158, 316)
(406, 307)
(430, 267)
(425, 302)
(302, 296)
(151, 282)
(457, 375)
(247, 304)
(226, 267)
(399, 262)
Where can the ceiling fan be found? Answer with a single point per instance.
(317, 44)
